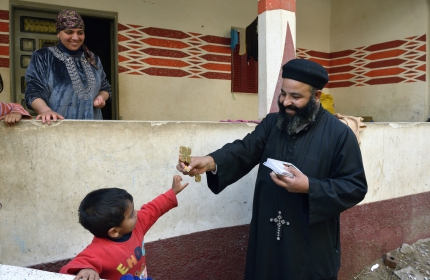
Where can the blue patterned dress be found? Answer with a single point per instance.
(66, 81)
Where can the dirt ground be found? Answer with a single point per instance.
(412, 262)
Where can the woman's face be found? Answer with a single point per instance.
(72, 38)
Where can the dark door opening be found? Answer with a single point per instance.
(98, 40)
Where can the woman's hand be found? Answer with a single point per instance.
(47, 116)
(44, 112)
(100, 100)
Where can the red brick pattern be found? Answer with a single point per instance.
(4, 39)
(164, 52)
(4, 14)
(268, 5)
(398, 61)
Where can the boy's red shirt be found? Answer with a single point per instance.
(112, 260)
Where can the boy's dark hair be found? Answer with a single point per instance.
(103, 209)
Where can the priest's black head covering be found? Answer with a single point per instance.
(305, 71)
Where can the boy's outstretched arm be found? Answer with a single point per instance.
(176, 185)
(87, 274)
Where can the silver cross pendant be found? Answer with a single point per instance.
(279, 223)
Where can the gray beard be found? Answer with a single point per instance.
(302, 117)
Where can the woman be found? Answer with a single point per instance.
(67, 81)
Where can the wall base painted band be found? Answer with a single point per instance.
(367, 232)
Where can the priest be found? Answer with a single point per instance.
(294, 232)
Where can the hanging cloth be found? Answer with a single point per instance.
(234, 38)
(252, 40)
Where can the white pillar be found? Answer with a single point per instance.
(276, 46)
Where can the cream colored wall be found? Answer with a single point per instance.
(202, 16)
(362, 23)
(47, 170)
(392, 102)
(159, 98)
(150, 97)
(390, 151)
(313, 24)
(5, 94)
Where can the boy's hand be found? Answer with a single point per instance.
(87, 274)
(11, 118)
(176, 185)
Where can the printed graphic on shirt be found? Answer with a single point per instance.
(132, 261)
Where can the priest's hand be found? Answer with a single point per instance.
(298, 184)
(197, 165)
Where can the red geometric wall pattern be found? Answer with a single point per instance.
(163, 52)
(4, 39)
(398, 61)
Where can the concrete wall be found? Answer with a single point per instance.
(47, 170)
(50, 169)
(313, 24)
(360, 24)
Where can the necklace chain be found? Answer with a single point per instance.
(279, 220)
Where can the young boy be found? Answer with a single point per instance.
(117, 250)
(11, 113)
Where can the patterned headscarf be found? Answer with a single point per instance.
(68, 19)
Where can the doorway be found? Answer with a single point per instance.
(31, 29)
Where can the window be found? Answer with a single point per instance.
(244, 74)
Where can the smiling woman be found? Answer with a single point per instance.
(72, 38)
(67, 81)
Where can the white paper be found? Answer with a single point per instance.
(278, 167)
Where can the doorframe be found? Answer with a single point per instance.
(40, 7)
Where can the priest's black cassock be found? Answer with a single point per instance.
(326, 151)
